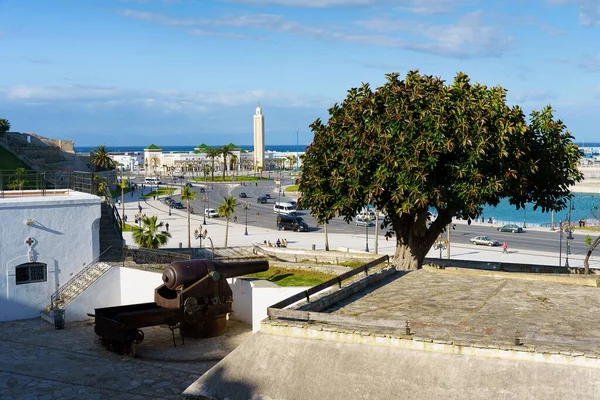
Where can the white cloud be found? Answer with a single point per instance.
(468, 37)
(413, 6)
(589, 10)
(590, 63)
(175, 101)
(540, 96)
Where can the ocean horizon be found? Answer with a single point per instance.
(130, 149)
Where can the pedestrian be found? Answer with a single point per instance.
(505, 248)
(140, 208)
(125, 217)
(167, 226)
(235, 219)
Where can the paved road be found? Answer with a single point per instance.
(262, 215)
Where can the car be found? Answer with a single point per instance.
(243, 195)
(188, 185)
(484, 240)
(291, 222)
(181, 177)
(177, 204)
(510, 228)
(202, 190)
(166, 200)
(361, 220)
(268, 196)
(261, 199)
(211, 213)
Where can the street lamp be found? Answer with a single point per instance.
(297, 159)
(198, 235)
(525, 216)
(246, 207)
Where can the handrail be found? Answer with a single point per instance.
(64, 287)
(337, 280)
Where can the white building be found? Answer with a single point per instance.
(45, 240)
(130, 161)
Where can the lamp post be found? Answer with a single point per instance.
(198, 235)
(525, 216)
(367, 235)
(246, 207)
(297, 159)
(560, 230)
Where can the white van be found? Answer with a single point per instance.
(152, 181)
(284, 208)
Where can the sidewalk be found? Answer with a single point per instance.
(304, 240)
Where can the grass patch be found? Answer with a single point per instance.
(160, 192)
(117, 192)
(243, 178)
(293, 188)
(128, 227)
(292, 277)
(9, 161)
(352, 264)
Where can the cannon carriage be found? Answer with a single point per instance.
(194, 298)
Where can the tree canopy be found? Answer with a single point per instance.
(4, 126)
(149, 235)
(418, 145)
(101, 159)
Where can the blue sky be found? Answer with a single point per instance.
(179, 72)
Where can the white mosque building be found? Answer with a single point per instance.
(153, 161)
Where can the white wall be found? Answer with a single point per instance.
(65, 233)
(138, 286)
(252, 297)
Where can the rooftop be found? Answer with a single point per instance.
(45, 196)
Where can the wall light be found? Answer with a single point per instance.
(29, 221)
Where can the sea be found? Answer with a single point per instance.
(582, 207)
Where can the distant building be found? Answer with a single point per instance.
(259, 139)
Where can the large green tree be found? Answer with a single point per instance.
(188, 195)
(149, 235)
(212, 154)
(4, 126)
(416, 146)
(101, 159)
(226, 209)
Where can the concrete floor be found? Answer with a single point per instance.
(40, 362)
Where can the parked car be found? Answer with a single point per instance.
(181, 177)
(211, 213)
(484, 240)
(261, 199)
(510, 228)
(268, 196)
(243, 195)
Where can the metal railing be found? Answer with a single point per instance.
(276, 310)
(15, 181)
(56, 295)
(153, 256)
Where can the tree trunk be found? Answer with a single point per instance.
(326, 237)
(226, 230)
(409, 257)
(586, 261)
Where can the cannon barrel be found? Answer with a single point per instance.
(187, 272)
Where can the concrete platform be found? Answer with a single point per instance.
(461, 345)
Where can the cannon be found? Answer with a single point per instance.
(194, 297)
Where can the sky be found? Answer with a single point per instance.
(184, 72)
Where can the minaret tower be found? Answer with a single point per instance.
(259, 139)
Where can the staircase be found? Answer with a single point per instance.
(111, 238)
(75, 286)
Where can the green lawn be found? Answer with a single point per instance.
(292, 277)
(128, 227)
(117, 192)
(10, 161)
(160, 192)
(243, 178)
(293, 188)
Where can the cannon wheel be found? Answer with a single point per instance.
(138, 337)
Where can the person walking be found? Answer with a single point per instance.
(505, 248)
(167, 226)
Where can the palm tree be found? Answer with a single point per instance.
(149, 236)
(188, 195)
(226, 209)
(123, 186)
(225, 151)
(4, 126)
(232, 163)
(101, 159)
(212, 154)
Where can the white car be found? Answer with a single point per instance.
(211, 213)
(364, 220)
(484, 240)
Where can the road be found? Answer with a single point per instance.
(262, 215)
